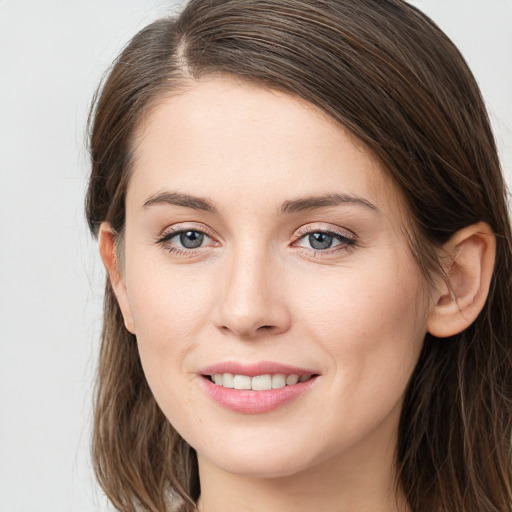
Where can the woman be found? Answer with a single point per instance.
(301, 211)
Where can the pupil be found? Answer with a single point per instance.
(320, 240)
(191, 239)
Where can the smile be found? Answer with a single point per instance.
(257, 382)
(256, 388)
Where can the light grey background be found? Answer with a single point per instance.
(52, 54)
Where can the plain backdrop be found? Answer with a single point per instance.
(52, 55)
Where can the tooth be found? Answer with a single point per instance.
(227, 380)
(242, 382)
(261, 382)
(258, 382)
(278, 381)
(292, 379)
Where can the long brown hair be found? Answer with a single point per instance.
(389, 75)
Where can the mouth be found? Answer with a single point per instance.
(264, 382)
(256, 388)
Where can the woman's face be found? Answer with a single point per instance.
(261, 240)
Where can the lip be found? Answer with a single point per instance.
(255, 402)
(253, 369)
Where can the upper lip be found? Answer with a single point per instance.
(253, 369)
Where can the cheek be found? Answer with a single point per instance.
(168, 308)
(378, 297)
(166, 301)
(371, 320)
(371, 324)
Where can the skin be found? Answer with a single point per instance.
(256, 290)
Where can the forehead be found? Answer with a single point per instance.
(234, 141)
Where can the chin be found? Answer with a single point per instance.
(264, 469)
(264, 462)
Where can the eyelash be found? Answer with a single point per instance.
(346, 241)
(167, 236)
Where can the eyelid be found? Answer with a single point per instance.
(308, 229)
(165, 237)
(347, 240)
(182, 227)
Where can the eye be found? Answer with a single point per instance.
(323, 240)
(183, 241)
(190, 239)
(320, 241)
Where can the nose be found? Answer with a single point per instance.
(253, 300)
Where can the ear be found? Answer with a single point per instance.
(469, 263)
(107, 247)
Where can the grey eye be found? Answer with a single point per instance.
(319, 241)
(191, 239)
(322, 241)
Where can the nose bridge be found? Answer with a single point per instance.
(251, 301)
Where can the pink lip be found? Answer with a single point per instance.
(261, 368)
(255, 402)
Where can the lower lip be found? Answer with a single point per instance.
(256, 402)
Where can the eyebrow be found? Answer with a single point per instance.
(178, 199)
(291, 206)
(314, 202)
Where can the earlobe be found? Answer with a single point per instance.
(468, 261)
(107, 248)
